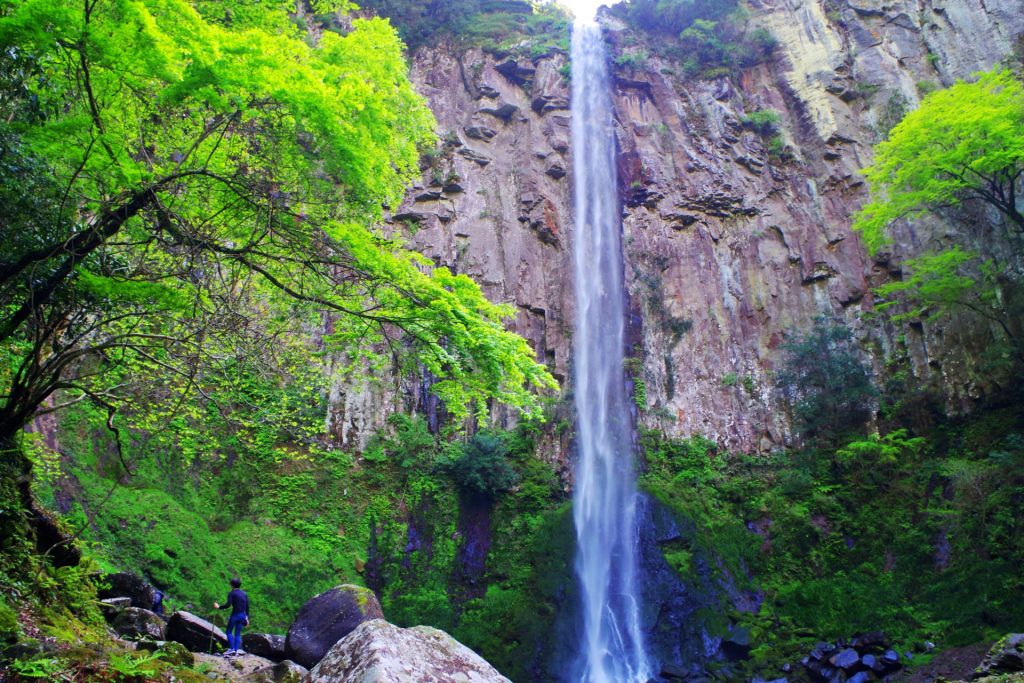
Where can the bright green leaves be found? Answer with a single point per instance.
(935, 283)
(459, 335)
(964, 142)
(218, 171)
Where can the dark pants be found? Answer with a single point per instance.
(235, 624)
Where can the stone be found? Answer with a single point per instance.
(1006, 656)
(135, 623)
(545, 103)
(845, 659)
(281, 672)
(327, 618)
(516, 72)
(474, 156)
(379, 652)
(890, 659)
(111, 607)
(556, 171)
(265, 645)
(128, 585)
(872, 662)
(503, 112)
(170, 651)
(480, 133)
(860, 677)
(195, 633)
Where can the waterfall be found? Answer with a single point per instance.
(604, 508)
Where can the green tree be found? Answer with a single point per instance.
(964, 143)
(824, 382)
(936, 284)
(189, 185)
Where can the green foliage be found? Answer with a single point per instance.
(129, 668)
(482, 469)
(917, 169)
(9, 626)
(851, 539)
(42, 668)
(205, 188)
(530, 30)
(714, 39)
(631, 60)
(824, 382)
(763, 121)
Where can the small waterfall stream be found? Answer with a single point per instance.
(604, 507)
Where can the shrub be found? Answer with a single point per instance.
(824, 383)
(482, 469)
(763, 121)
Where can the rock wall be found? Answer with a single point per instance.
(729, 245)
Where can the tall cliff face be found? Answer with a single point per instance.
(729, 244)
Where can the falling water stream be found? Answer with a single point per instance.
(604, 508)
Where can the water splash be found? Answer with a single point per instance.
(604, 507)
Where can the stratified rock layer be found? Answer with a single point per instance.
(379, 652)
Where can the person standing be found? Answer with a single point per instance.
(238, 601)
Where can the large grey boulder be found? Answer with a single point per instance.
(379, 652)
(135, 622)
(197, 634)
(327, 618)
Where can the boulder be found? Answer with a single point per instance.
(1006, 656)
(264, 645)
(860, 677)
(169, 651)
(379, 652)
(845, 659)
(135, 623)
(327, 618)
(890, 658)
(281, 672)
(111, 607)
(128, 585)
(198, 635)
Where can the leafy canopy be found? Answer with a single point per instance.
(963, 143)
(206, 181)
